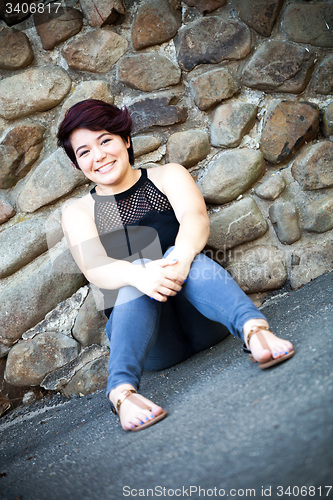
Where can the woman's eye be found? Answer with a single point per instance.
(84, 152)
(105, 141)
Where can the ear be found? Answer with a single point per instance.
(128, 142)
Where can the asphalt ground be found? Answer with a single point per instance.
(233, 430)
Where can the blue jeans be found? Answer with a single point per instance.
(147, 334)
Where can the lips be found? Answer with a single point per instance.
(105, 168)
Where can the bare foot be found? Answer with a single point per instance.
(135, 410)
(275, 348)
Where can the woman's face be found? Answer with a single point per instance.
(102, 156)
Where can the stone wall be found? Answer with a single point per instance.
(238, 91)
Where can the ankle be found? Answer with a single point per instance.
(114, 393)
(252, 323)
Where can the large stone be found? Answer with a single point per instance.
(27, 140)
(57, 24)
(205, 6)
(231, 122)
(322, 80)
(89, 326)
(23, 242)
(240, 222)
(258, 269)
(6, 209)
(94, 89)
(271, 188)
(143, 144)
(212, 87)
(319, 215)
(212, 40)
(62, 318)
(96, 51)
(278, 66)
(155, 22)
(287, 126)
(37, 288)
(328, 120)
(89, 378)
(56, 171)
(310, 261)
(102, 12)
(58, 379)
(154, 111)
(148, 71)
(188, 147)
(259, 14)
(9, 159)
(37, 89)
(231, 174)
(309, 23)
(15, 49)
(284, 217)
(14, 16)
(313, 167)
(29, 361)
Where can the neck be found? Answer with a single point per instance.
(131, 177)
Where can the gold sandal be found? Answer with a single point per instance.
(130, 393)
(274, 361)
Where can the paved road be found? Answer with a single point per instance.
(232, 430)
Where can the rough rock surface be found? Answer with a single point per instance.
(89, 378)
(89, 326)
(287, 126)
(55, 171)
(143, 144)
(211, 40)
(309, 23)
(15, 49)
(148, 71)
(236, 224)
(51, 285)
(328, 120)
(313, 166)
(271, 188)
(30, 360)
(6, 208)
(23, 242)
(231, 122)
(156, 111)
(27, 141)
(188, 147)
(278, 66)
(259, 14)
(285, 220)
(319, 215)
(57, 24)
(310, 261)
(322, 80)
(102, 12)
(96, 51)
(258, 269)
(205, 6)
(37, 89)
(231, 174)
(155, 22)
(212, 87)
(59, 378)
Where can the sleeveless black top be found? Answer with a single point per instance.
(137, 223)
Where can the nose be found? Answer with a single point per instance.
(99, 153)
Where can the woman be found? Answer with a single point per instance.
(138, 236)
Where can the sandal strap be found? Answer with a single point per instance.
(256, 330)
(123, 395)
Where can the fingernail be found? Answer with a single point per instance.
(174, 260)
(185, 280)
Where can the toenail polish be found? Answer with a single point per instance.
(141, 422)
(146, 419)
(152, 415)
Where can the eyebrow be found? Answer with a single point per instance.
(99, 137)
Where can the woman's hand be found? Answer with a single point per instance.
(159, 279)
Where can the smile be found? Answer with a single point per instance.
(105, 168)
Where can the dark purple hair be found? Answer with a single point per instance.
(95, 115)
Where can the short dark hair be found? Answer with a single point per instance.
(94, 114)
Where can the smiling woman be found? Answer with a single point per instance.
(139, 235)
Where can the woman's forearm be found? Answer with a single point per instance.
(192, 235)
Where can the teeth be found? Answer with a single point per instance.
(105, 167)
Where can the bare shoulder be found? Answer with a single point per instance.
(79, 209)
(164, 175)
